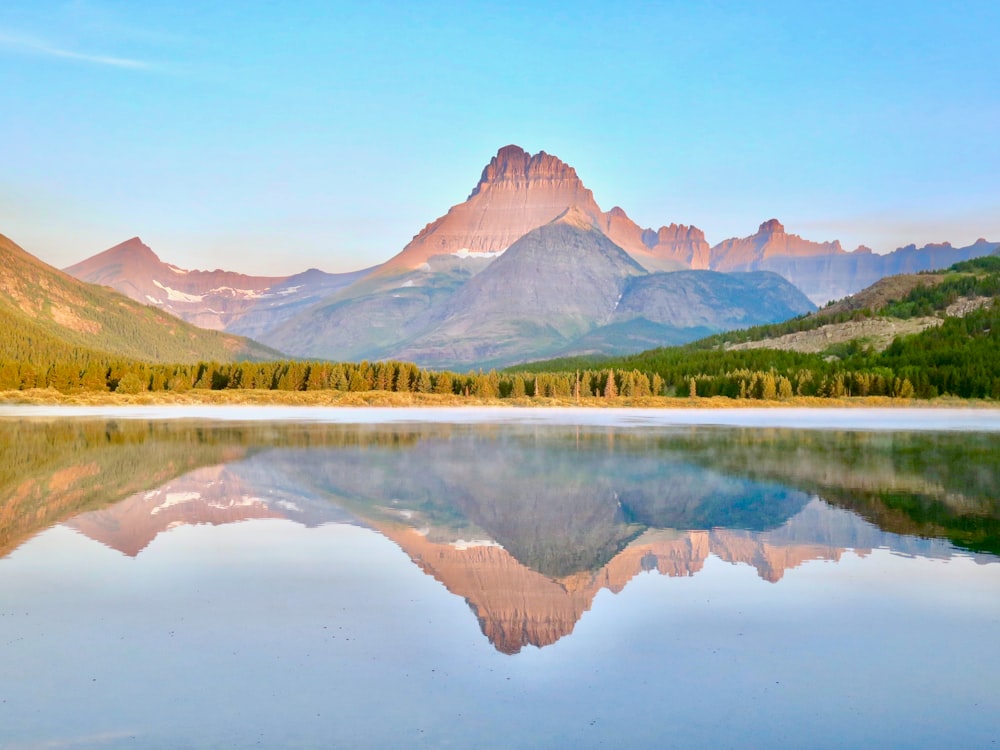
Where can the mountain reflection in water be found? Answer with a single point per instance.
(527, 524)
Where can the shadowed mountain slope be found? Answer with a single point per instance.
(824, 271)
(558, 283)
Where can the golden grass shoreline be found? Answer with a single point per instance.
(50, 397)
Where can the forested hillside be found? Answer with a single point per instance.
(48, 317)
(960, 357)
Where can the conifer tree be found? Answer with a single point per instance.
(610, 388)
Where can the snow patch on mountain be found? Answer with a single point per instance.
(241, 293)
(465, 253)
(175, 296)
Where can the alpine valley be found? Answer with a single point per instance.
(527, 267)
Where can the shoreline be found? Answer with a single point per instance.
(860, 414)
(394, 399)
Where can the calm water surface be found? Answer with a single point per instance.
(235, 584)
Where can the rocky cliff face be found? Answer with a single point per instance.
(380, 312)
(670, 248)
(518, 192)
(771, 240)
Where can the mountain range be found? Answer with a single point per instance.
(528, 266)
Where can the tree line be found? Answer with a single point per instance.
(131, 377)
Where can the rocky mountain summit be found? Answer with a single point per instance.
(770, 241)
(518, 192)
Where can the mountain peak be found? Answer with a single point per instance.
(132, 252)
(133, 243)
(575, 216)
(746, 253)
(517, 192)
(514, 165)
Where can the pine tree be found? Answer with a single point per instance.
(517, 387)
(610, 387)
(424, 382)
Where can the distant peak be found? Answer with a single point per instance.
(513, 164)
(512, 152)
(575, 216)
(133, 248)
(133, 243)
(771, 226)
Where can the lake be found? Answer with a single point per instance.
(314, 578)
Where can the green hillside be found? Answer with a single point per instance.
(47, 316)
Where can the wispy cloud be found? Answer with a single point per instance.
(32, 45)
(69, 742)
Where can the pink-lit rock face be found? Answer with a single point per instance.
(770, 240)
(209, 299)
(515, 194)
(518, 192)
(669, 248)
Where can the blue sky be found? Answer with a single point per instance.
(267, 139)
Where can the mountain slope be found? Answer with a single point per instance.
(552, 285)
(824, 270)
(688, 299)
(44, 312)
(667, 309)
(562, 287)
(770, 240)
(217, 300)
(874, 317)
(209, 299)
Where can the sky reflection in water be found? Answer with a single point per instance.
(496, 586)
